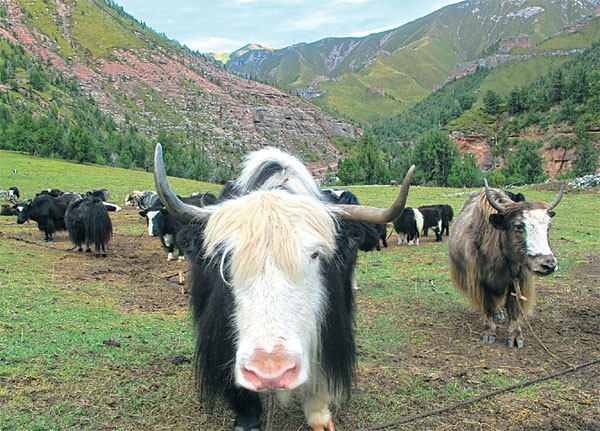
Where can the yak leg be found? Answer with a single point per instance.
(489, 309)
(247, 408)
(514, 327)
(316, 410)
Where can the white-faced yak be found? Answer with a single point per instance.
(497, 243)
(271, 267)
(88, 221)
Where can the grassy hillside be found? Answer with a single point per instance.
(410, 61)
(99, 344)
(35, 174)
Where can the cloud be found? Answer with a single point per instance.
(170, 21)
(215, 44)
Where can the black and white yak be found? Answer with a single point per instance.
(13, 195)
(47, 211)
(87, 220)
(164, 225)
(409, 226)
(496, 244)
(271, 267)
(432, 219)
(446, 214)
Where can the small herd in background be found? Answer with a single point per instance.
(85, 217)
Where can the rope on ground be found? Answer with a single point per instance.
(472, 400)
(519, 297)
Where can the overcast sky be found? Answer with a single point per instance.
(226, 25)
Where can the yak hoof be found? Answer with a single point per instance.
(500, 316)
(329, 427)
(88, 250)
(489, 338)
(511, 343)
(246, 429)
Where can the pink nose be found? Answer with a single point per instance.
(273, 370)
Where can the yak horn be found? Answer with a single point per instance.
(558, 197)
(172, 203)
(379, 215)
(491, 199)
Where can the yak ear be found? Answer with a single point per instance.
(498, 221)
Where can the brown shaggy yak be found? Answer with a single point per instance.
(496, 246)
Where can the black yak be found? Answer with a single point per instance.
(87, 220)
(47, 211)
(409, 226)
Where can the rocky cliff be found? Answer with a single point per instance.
(145, 79)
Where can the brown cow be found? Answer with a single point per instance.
(497, 243)
(394, 183)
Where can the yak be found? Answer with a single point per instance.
(409, 226)
(271, 266)
(165, 226)
(496, 246)
(446, 213)
(432, 219)
(87, 220)
(47, 211)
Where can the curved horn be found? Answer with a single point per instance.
(558, 196)
(379, 215)
(490, 198)
(174, 205)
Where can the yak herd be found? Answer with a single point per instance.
(272, 263)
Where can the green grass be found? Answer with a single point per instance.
(35, 174)
(56, 372)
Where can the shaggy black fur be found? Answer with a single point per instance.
(88, 221)
(48, 212)
(447, 214)
(518, 197)
(8, 210)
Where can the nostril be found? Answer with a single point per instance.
(271, 379)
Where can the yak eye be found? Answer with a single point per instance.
(519, 227)
(314, 255)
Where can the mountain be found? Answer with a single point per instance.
(378, 76)
(140, 78)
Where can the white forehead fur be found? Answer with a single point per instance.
(268, 232)
(537, 222)
(294, 176)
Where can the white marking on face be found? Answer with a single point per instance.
(150, 215)
(537, 222)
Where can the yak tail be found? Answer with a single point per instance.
(76, 231)
(100, 227)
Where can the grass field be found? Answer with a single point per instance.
(105, 344)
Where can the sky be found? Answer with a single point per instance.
(226, 25)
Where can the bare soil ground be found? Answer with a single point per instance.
(416, 376)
